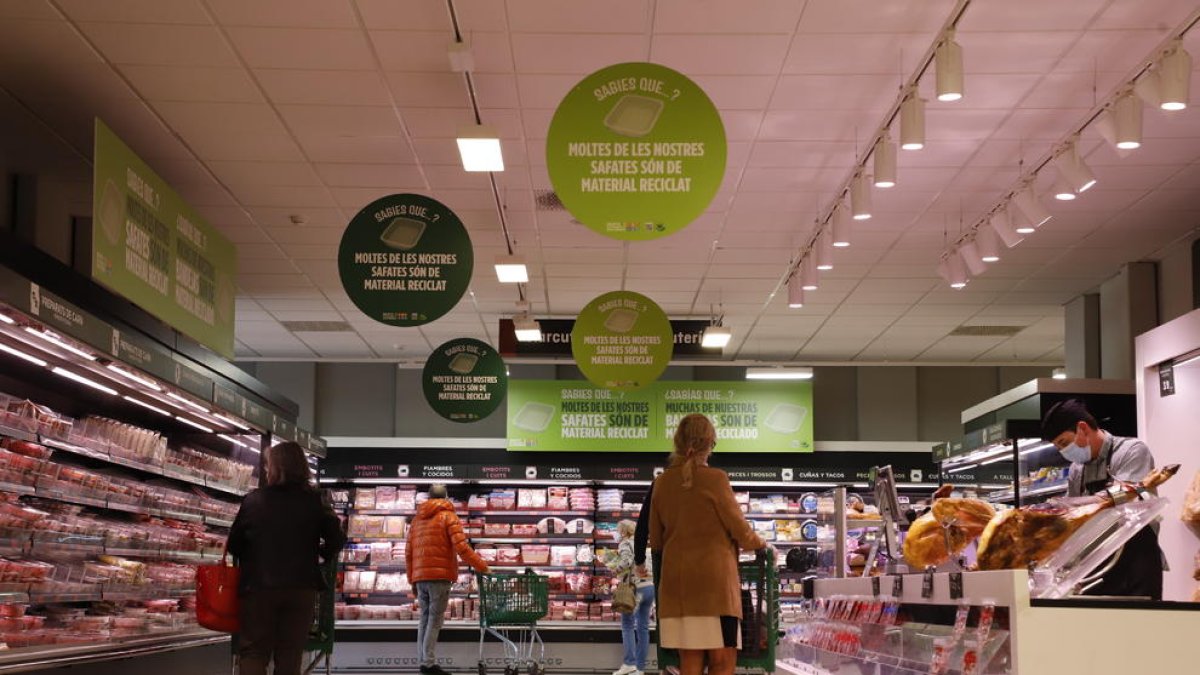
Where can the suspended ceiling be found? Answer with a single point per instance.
(267, 112)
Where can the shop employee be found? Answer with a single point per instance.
(1097, 459)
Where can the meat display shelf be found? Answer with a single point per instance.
(543, 513)
(163, 470)
(53, 656)
(462, 624)
(567, 539)
(408, 595)
(1056, 488)
(45, 491)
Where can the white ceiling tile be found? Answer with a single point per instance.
(424, 15)
(552, 16)
(175, 83)
(324, 87)
(577, 54)
(415, 51)
(721, 54)
(161, 45)
(689, 16)
(869, 16)
(302, 48)
(286, 13)
(358, 149)
(135, 11)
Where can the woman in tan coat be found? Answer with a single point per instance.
(697, 527)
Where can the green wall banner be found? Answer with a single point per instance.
(151, 247)
(636, 151)
(405, 260)
(768, 416)
(464, 380)
(622, 340)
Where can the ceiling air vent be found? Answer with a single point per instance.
(317, 326)
(986, 331)
(547, 200)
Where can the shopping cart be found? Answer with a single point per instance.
(759, 579)
(509, 608)
(320, 635)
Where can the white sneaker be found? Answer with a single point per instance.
(625, 670)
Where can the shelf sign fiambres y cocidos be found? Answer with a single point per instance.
(405, 260)
(464, 380)
(636, 151)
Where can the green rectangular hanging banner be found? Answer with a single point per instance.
(151, 247)
(574, 415)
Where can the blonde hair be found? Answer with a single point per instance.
(694, 439)
(626, 528)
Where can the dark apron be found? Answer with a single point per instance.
(1139, 570)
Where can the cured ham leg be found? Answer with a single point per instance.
(1015, 538)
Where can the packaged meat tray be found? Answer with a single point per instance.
(385, 497)
(364, 498)
(497, 529)
(531, 499)
(535, 554)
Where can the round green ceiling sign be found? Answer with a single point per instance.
(465, 380)
(636, 151)
(622, 340)
(405, 260)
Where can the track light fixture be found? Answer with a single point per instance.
(795, 291)
(884, 158)
(860, 198)
(948, 61)
(824, 252)
(1175, 78)
(953, 271)
(1071, 167)
(840, 226)
(912, 123)
(1001, 223)
(1126, 116)
(988, 244)
(808, 274)
(969, 252)
(1063, 192)
(1035, 215)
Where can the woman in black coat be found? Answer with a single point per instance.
(280, 536)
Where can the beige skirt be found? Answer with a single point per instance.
(699, 632)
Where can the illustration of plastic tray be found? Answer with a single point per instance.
(112, 212)
(620, 320)
(534, 417)
(463, 363)
(403, 233)
(786, 418)
(634, 115)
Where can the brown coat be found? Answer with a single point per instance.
(698, 532)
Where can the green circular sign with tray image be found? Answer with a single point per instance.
(464, 380)
(622, 340)
(405, 260)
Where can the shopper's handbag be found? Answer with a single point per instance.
(217, 603)
(625, 596)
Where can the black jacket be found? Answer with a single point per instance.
(278, 535)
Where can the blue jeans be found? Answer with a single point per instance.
(433, 597)
(635, 629)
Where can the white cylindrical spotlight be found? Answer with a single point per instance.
(953, 270)
(1002, 225)
(824, 252)
(1034, 213)
(840, 226)
(884, 158)
(809, 278)
(1063, 191)
(1175, 78)
(795, 291)
(969, 252)
(1127, 121)
(912, 123)
(948, 61)
(988, 243)
(860, 198)
(1074, 171)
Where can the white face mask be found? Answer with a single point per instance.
(1078, 454)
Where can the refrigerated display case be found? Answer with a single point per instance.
(115, 482)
